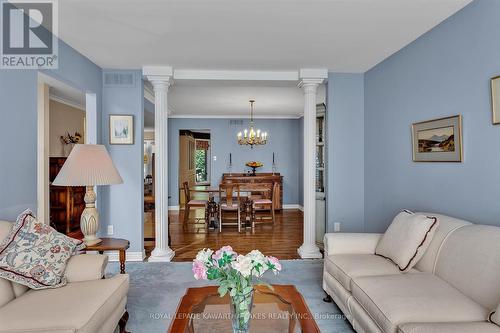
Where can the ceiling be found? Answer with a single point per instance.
(227, 99)
(340, 35)
(230, 99)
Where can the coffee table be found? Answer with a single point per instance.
(280, 310)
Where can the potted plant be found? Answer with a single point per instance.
(236, 274)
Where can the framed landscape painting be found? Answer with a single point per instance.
(438, 140)
(121, 129)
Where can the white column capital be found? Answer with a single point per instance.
(161, 77)
(307, 83)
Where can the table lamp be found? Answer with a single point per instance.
(88, 165)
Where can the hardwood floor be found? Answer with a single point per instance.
(281, 240)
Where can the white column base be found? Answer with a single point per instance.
(308, 251)
(161, 255)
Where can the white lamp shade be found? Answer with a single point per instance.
(88, 165)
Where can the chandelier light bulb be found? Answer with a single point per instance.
(252, 137)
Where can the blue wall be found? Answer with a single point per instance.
(445, 72)
(284, 140)
(18, 125)
(123, 204)
(345, 151)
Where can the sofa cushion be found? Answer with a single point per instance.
(35, 255)
(407, 239)
(392, 300)
(345, 267)
(78, 307)
(447, 225)
(19, 289)
(495, 316)
(6, 292)
(472, 327)
(470, 261)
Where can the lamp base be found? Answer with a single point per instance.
(89, 221)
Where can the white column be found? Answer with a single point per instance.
(310, 85)
(160, 78)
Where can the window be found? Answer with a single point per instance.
(202, 160)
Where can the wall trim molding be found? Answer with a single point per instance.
(174, 208)
(221, 116)
(66, 102)
(131, 255)
(293, 206)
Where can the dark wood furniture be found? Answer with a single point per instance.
(267, 202)
(286, 293)
(66, 202)
(191, 203)
(112, 244)
(228, 201)
(243, 178)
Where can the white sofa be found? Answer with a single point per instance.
(452, 289)
(87, 304)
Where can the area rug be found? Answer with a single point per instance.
(156, 288)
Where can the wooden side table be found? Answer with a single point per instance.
(112, 244)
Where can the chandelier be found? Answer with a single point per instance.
(252, 137)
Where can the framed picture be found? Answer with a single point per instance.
(121, 129)
(438, 140)
(495, 99)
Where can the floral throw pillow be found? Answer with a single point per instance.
(35, 255)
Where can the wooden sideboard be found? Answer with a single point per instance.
(259, 178)
(66, 202)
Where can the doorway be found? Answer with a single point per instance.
(66, 117)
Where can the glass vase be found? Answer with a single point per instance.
(241, 311)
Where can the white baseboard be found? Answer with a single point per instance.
(131, 255)
(173, 208)
(293, 206)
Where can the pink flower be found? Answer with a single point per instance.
(199, 270)
(227, 249)
(275, 264)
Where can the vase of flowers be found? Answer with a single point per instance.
(69, 141)
(254, 165)
(236, 275)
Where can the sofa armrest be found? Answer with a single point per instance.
(86, 267)
(350, 243)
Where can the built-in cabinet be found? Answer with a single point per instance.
(320, 172)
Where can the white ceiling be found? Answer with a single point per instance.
(340, 35)
(228, 99)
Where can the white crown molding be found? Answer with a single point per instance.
(313, 73)
(199, 116)
(149, 94)
(191, 74)
(67, 102)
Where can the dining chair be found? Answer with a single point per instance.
(191, 203)
(228, 202)
(267, 202)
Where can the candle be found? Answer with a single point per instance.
(273, 157)
(230, 159)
